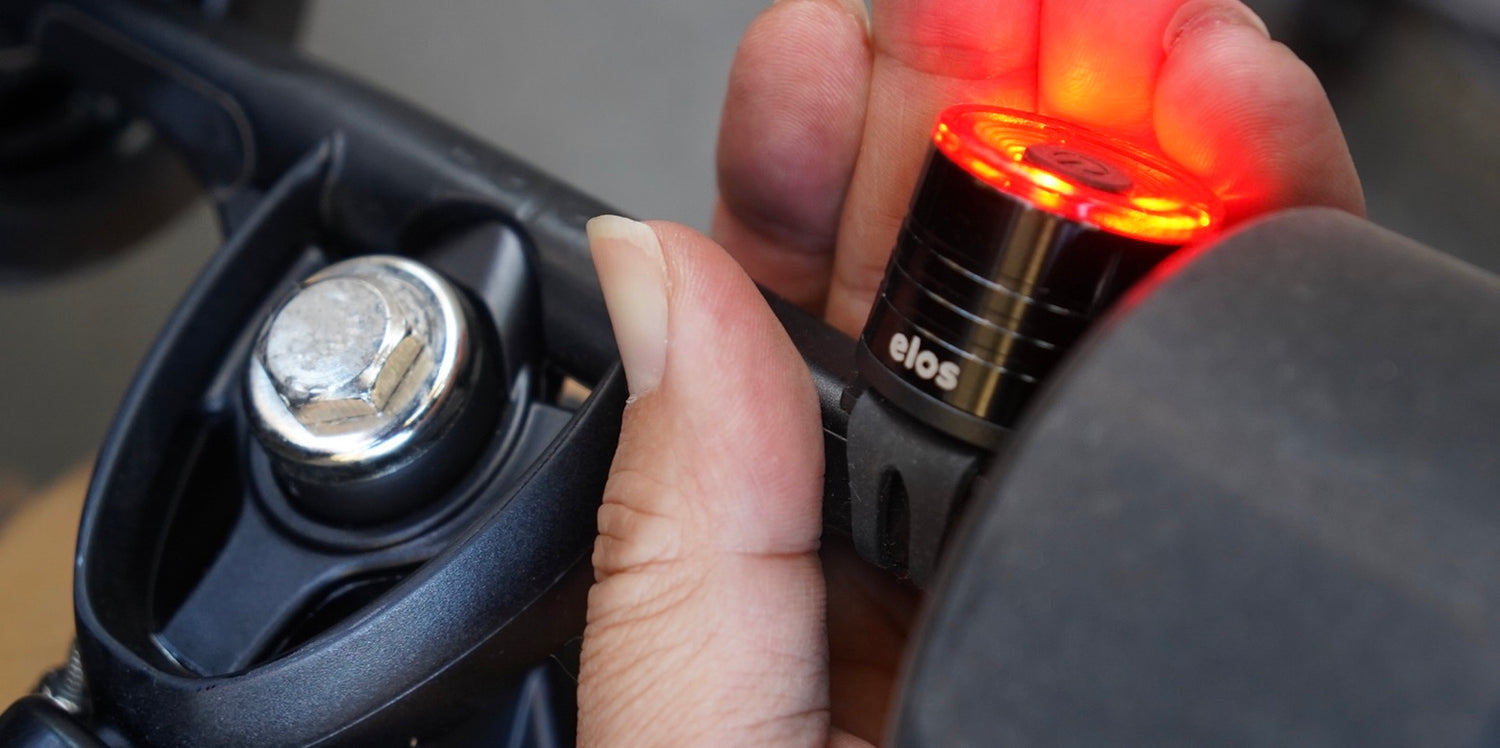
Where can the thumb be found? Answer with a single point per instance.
(705, 623)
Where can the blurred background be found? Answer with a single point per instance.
(622, 100)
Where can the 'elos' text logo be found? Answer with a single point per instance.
(908, 352)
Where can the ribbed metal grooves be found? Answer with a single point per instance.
(983, 297)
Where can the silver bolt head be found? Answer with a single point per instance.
(355, 366)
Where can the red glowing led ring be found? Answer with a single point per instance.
(1078, 174)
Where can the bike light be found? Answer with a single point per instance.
(1021, 231)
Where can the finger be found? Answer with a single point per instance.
(1245, 114)
(705, 624)
(1098, 62)
(787, 142)
(929, 54)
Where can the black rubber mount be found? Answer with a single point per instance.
(907, 486)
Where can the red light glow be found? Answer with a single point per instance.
(1120, 188)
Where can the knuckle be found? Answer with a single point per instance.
(632, 537)
(644, 524)
(640, 599)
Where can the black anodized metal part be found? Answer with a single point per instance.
(983, 296)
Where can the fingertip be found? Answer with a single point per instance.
(856, 9)
(1195, 15)
(739, 391)
(728, 312)
(628, 259)
(795, 98)
(958, 39)
(789, 138)
(1245, 114)
(1099, 60)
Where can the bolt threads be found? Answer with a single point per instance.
(65, 686)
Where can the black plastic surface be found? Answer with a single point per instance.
(81, 177)
(494, 596)
(35, 722)
(1259, 508)
(245, 112)
(210, 610)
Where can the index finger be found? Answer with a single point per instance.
(1099, 61)
(928, 54)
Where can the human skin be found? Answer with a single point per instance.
(716, 618)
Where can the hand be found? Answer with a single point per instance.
(707, 622)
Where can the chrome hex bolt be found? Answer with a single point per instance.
(358, 367)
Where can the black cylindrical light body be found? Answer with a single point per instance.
(1020, 233)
